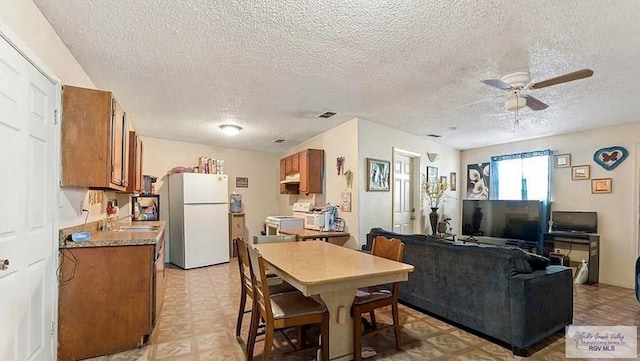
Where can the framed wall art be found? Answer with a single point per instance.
(601, 185)
(432, 175)
(562, 161)
(580, 172)
(378, 172)
(452, 181)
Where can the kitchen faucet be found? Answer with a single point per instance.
(108, 222)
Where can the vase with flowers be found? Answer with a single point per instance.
(434, 193)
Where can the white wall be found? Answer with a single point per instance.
(340, 141)
(259, 200)
(377, 141)
(617, 211)
(28, 23)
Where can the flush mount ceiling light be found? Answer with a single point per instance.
(230, 129)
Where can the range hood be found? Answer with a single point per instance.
(291, 179)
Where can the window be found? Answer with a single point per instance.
(522, 176)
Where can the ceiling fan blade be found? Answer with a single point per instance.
(534, 103)
(497, 83)
(580, 74)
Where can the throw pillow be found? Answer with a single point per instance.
(536, 261)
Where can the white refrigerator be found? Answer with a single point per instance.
(198, 219)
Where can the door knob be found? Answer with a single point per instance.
(4, 264)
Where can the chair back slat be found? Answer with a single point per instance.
(260, 285)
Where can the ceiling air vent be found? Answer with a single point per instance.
(327, 115)
(434, 135)
(279, 140)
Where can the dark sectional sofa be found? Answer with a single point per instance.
(501, 292)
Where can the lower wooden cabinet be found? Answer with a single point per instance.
(111, 300)
(236, 229)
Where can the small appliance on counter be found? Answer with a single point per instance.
(148, 181)
(145, 207)
(274, 224)
(235, 203)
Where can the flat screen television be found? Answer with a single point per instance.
(510, 219)
(566, 221)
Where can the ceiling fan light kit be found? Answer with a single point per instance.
(514, 102)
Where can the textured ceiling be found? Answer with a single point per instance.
(182, 68)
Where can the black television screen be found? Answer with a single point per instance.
(566, 221)
(510, 219)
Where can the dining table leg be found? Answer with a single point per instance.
(341, 323)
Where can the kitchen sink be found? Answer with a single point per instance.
(137, 228)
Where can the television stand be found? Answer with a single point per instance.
(586, 244)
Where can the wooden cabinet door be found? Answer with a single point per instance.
(287, 165)
(159, 269)
(135, 163)
(117, 141)
(283, 175)
(236, 229)
(295, 163)
(311, 170)
(303, 159)
(87, 116)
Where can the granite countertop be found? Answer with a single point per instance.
(115, 237)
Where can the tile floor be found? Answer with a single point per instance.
(197, 323)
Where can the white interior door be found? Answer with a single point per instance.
(403, 207)
(28, 156)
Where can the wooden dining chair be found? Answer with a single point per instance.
(371, 298)
(282, 310)
(246, 286)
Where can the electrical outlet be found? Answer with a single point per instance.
(60, 198)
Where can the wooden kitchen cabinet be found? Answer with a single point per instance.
(310, 166)
(283, 175)
(111, 300)
(107, 306)
(95, 140)
(311, 170)
(236, 229)
(159, 279)
(295, 163)
(135, 163)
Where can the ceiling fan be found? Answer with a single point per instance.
(519, 84)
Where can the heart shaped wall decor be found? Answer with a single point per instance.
(610, 157)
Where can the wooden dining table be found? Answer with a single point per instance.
(332, 274)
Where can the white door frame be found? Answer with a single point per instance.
(415, 185)
(10, 37)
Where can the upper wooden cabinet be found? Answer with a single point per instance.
(95, 140)
(135, 163)
(309, 164)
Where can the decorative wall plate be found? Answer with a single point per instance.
(610, 157)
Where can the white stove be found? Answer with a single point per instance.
(276, 223)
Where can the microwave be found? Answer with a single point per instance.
(314, 221)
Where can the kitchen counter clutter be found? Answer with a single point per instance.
(111, 288)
